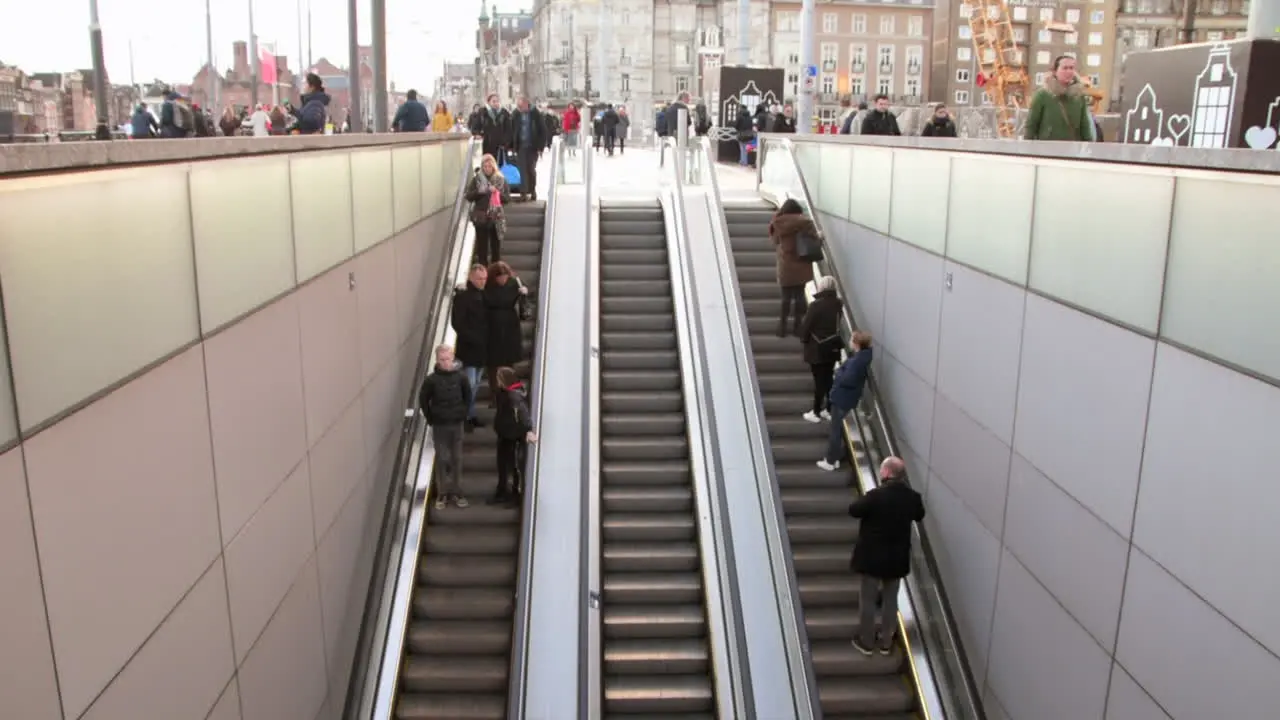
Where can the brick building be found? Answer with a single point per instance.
(235, 85)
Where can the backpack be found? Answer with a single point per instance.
(181, 116)
(312, 115)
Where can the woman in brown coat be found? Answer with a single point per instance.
(793, 273)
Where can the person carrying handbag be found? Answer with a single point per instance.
(794, 272)
(487, 192)
(820, 333)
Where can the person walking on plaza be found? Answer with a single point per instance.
(470, 320)
(846, 391)
(492, 123)
(528, 138)
(411, 116)
(444, 398)
(882, 555)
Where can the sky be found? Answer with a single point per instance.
(168, 40)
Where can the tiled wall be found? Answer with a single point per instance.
(1101, 485)
(209, 362)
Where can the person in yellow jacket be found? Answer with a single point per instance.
(441, 119)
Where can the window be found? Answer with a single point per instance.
(788, 21)
(915, 26)
(626, 20)
(623, 58)
(1019, 57)
(1095, 80)
(682, 53)
(1046, 14)
(1097, 17)
(884, 57)
(1042, 58)
(626, 83)
(682, 84)
(828, 84)
(1209, 126)
(711, 62)
(886, 24)
(829, 21)
(915, 58)
(993, 12)
(859, 24)
(827, 53)
(1045, 37)
(1020, 34)
(988, 55)
(986, 98)
(1095, 38)
(884, 85)
(566, 51)
(1093, 60)
(1071, 38)
(962, 75)
(1069, 53)
(965, 11)
(965, 32)
(1073, 16)
(857, 86)
(913, 87)
(1142, 39)
(962, 97)
(857, 58)
(1020, 13)
(1213, 36)
(564, 82)
(964, 54)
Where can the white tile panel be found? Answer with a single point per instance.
(971, 461)
(913, 306)
(322, 224)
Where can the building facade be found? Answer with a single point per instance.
(863, 49)
(1147, 24)
(457, 87)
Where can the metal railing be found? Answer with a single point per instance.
(401, 527)
(725, 631)
(944, 683)
(528, 524)
(590, 638)
(803, 680)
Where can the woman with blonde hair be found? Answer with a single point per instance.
(487, 192)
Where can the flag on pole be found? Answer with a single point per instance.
(267, 63)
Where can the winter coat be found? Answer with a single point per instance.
(821, 321)
(1059, 113)
(495, 128)
(411, 116)
(885, 514)
(314, 113)
(850, 379)
(441, 122)
(783, 229)
(934, 128)
(505, 339)
(880, 123)
(445, 396)
(572, 119)
(470, 320)
(512, 419)
(479, 192)
(784, 124)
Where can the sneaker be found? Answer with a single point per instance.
(812, 417)
(857, 645)
(826, 415)
(460, 502)
(441, 502)
(829, 467)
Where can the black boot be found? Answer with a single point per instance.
(501, 497)
(782, 328)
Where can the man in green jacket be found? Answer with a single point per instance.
(1059, 109)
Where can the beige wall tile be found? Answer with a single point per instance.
(183, 668)
(320, 184)
(383, 403)
(27, 685)
(228, 707)
(376, 298)
(330, 348)
(338, 556)
(125, 513)
(256, 409)
(338, 462)
(285, 674)
(411, 258)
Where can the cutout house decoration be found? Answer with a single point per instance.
(1202, 95)
(746, 87)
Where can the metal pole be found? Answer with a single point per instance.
(573, 55)
(253, 58)
(211, 78)
(604, 40)
(804, 109)
(482, 66)
(132, 82)
(103, 130)
(744, 30)
(381, 119)
(353, 68)
(309, 63)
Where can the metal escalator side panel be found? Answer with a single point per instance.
(380, 644)
(591, 628)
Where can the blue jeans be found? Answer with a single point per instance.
(473, 377)
(835, 441)
(742, 153)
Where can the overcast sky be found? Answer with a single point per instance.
(168, 38)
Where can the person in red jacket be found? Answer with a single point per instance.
(570, 124)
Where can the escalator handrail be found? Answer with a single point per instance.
(379, 646)
(528, 523)
(956, 703)
(730, 672)
(804, 680)
(590, 620)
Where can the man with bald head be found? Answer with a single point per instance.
(882, 555)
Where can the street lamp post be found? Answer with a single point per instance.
(103, 131)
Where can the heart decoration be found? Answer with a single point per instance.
(1178, 126)
(1260, 138)
(1163, 142)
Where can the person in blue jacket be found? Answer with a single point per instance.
(845, 394)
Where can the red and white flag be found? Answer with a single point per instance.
(267, 63)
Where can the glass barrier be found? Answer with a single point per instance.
(939, 667)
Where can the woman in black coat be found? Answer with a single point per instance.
(820, 334)
(504, 294)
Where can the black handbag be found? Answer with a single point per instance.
(524, 303)
(808, 248)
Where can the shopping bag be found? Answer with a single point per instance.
(512, 175)
(808, 248)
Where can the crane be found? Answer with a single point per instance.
(1001, 68)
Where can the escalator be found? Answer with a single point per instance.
(815, 502)
(458, 652)
(655, 645)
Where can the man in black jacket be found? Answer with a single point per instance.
(528, 137)
(470, 322)
(880, 121)
(493, 123)
(609, 123)
(444, 398)
(882, 555)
